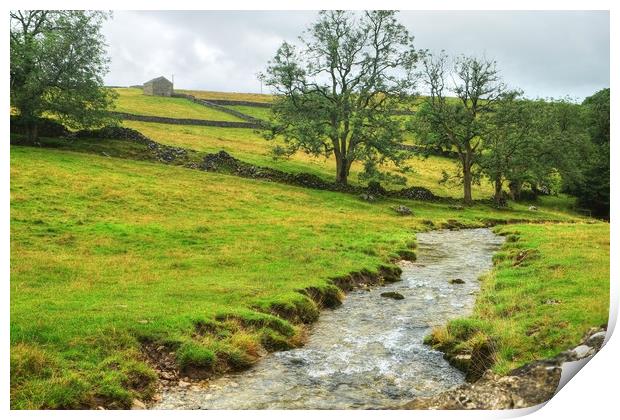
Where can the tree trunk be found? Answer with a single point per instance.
(342, 170)
(515, 190)
(466, 162)
(467, 178)
(32, 131)
(498, 191)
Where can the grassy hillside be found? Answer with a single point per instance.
(250, 146)
(107, 252)
(229, 96)
(133, 101)
(110, 253)
(253, 111)
(550, 285)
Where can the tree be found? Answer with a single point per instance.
(593, 189)
(511, 143)
(598, 116)
(58, 59)
(538, 142)
(339, 90)
(460, 122)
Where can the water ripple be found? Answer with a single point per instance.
(368, 353)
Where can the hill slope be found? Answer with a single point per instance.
(115, 261)
(133, 101)
(107, 253)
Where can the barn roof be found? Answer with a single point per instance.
(158, 79)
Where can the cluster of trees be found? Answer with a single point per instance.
(549, 145)
(592, 189)
(496, 132)
(340, 89)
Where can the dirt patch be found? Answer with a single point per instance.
(163, 361)
(524, 257)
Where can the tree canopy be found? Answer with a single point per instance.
(462, 94)
(593, 189)
(58, 59)
(338, 91)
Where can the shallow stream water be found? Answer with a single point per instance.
(368, 353)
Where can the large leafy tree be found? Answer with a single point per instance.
(535, 142)
(593, 189)
(338, 91)
(58, 60)
(511, 145)
(462, 94)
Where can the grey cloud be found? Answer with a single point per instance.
(550, 53)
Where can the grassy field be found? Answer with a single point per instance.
(253, 111)
(250, 146)
(168, 237)
(133, 101)
(229, 96)
(549, 286)
(110, 252)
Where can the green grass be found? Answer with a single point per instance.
(550, 285)
(253, 111)
(133, 101)
(229, 96)
(112, 253)
(250, 146)
(106, 253)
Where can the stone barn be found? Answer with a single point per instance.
(160, 86)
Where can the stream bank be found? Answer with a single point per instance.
(527, 386)
(369, 352)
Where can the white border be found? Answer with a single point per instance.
(591, 394)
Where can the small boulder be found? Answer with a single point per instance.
(367, 197)
(582, 351)
(403, 210)
(392, 295)
(596, 340)
(456, 281)
(532, 208)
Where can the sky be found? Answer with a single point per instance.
(544, 53)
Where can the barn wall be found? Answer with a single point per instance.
(148, 89)
(162, 89)
(158, 88)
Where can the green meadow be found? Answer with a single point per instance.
(253, 111)
(228, 96)
(550, 285)
(250, 146)
(110, 253)
(133, 101)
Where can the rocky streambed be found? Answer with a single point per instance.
(527, 386)
(369, 352)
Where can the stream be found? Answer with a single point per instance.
(367, 353)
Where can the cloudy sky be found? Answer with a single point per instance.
(555, 53)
